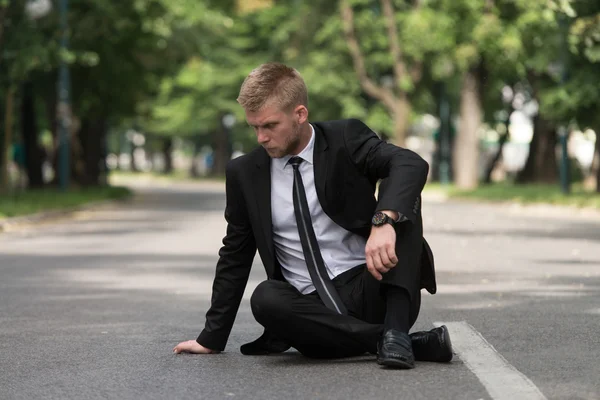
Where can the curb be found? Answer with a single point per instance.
(8, 224)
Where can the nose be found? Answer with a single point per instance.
(261, 136)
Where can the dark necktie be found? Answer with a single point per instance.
(310, 246)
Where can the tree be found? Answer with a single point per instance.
(216, 52)
(22, 53)
(483, 56)
(543, 58)
(394, 92)
(584, 41)
(454, 40)
(118, 66)
(561, 83)
(117, 54)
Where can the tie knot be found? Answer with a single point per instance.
(295, 161)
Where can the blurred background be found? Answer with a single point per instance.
(500, 94)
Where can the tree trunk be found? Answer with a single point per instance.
(222, 152)
(194, 173)
(494, 161)
(123, 148)
(596, 162)
(51, 116)
(8, 124)
(400, 116)
(541, 165)
(133, 164)
(92, 139)
(466, 146)
(34, 154)
(393, 97)
(167, 150)
(3, 13)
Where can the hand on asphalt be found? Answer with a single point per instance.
(191, 346)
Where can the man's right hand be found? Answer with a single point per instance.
(191, 346)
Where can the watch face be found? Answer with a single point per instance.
(379, 218)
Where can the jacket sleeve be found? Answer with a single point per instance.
(233, 268)
(404, 173)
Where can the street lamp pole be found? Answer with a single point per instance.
(64, 107)
(445, 141)
(565, 178)
(228, 121)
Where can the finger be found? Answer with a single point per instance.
(371, 267)
(376, 274)
(385, 260)
(181, 347)
(391, 253)
(378, 264)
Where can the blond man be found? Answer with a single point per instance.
(344, 269)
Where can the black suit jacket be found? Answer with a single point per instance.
(349, 159)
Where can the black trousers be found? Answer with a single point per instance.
(316, 331)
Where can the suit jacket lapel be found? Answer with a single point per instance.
(320, 165)
(263, 204)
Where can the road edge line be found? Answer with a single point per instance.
(501, 379)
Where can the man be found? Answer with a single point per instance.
(344, 269)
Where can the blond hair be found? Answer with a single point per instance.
(273, 84)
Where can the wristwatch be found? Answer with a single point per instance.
(381, 218)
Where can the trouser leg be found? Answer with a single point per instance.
(310, 327)
(409, 245)
(407, 273)
(316, 331)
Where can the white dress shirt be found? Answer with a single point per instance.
(341, 250)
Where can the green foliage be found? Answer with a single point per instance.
(172, 68)
(114, 55)
(214, 52)
(567, 96)
(215, 47)
(584, 37)
(121, 53)
(23, 47)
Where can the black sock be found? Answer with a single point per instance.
(397, 315)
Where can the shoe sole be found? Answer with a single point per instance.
(395, 363)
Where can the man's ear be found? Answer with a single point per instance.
(302, 114)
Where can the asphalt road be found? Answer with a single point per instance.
(92, 307)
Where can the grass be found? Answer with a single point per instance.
(524, 194)
(177, 175)
(34, 201)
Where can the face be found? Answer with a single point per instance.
(280, 132)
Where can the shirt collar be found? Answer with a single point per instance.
(306, 154)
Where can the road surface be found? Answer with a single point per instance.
(91, 307)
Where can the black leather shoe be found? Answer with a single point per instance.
(266, 344)
(395, 350)
(433, 345)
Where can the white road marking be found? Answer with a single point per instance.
(501, 380)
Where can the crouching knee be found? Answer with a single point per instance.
(269, 300)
